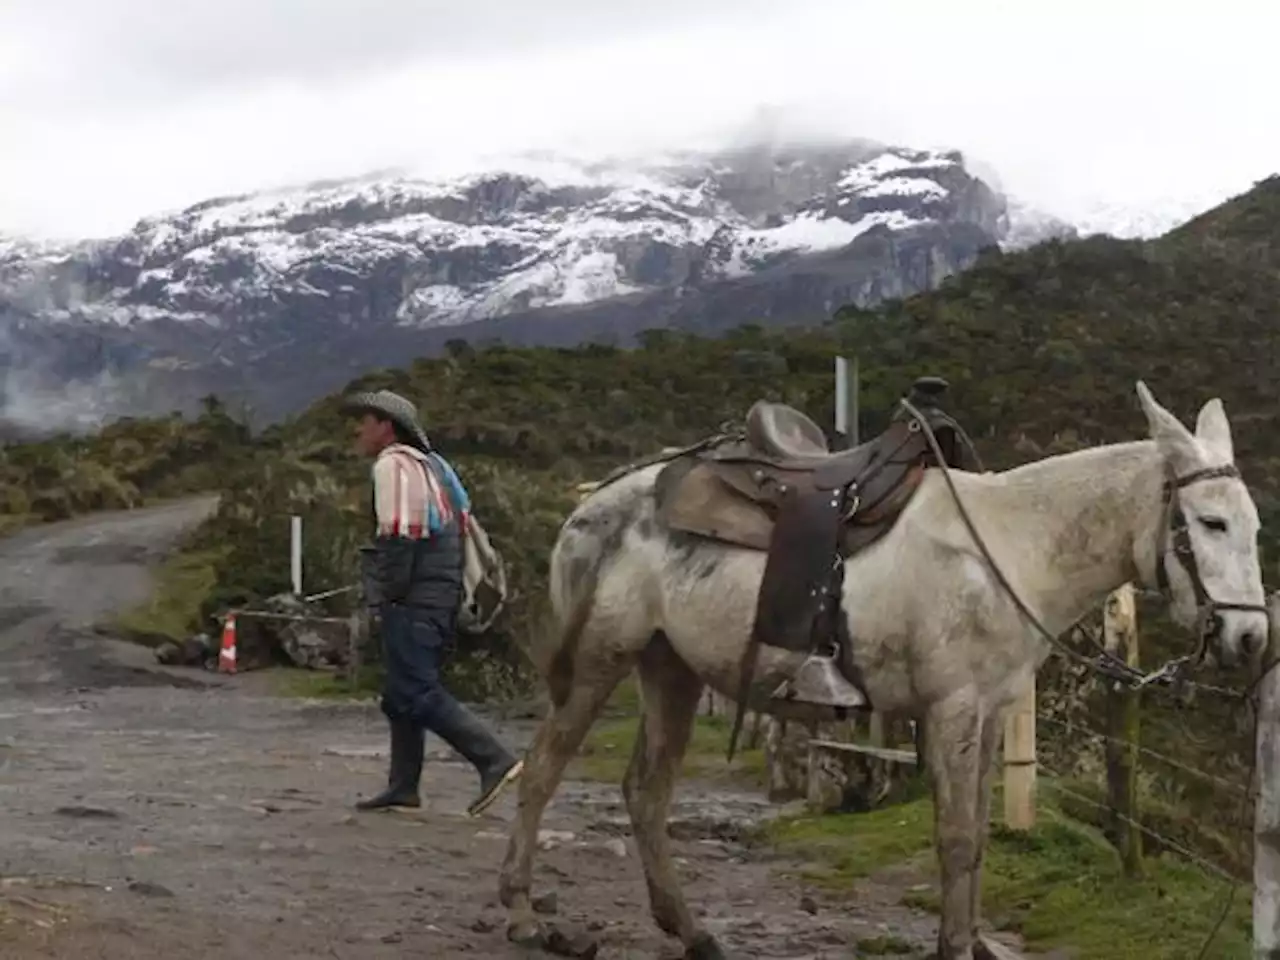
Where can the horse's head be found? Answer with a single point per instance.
(1205, 554)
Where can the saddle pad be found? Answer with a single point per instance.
(693, 499)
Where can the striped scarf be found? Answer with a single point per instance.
(416, 495)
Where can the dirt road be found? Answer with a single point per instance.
(150, 815)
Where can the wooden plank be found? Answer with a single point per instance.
(358, 627)
(882, 753)
(1020, 761)
(999, 950)
(1120, 633)
(1266, 823)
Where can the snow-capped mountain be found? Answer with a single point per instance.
(290, 292)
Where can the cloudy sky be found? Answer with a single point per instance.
(1097, 109)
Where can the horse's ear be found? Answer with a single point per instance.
(1174, 440)
(1214, 431)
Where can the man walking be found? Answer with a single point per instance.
(412, 577)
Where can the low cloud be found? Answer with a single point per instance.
(115, 111)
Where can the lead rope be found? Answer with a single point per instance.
(1112, 666)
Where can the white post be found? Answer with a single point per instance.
(847, 388)
(842, 397)
(295, 553)
(1266, 822)
(854, 437)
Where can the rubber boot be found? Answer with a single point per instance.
(405, 769)
(463, 731)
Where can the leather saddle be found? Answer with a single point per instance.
(778, 488)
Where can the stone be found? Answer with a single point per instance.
(856, 777)
(86, 813)
(786, 758)
(147, 889)
(550, 839)
(564, 942)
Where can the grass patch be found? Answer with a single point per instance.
(1059, 885)
(885, 946)
(322, 685)
(172, 612)
(13, 522)
(844, 847)
(606, 751)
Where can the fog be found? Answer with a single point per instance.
(1104, 113)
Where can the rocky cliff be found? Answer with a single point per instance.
(278, 297)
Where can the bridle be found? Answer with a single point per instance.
(1173, 525)
(1173, 522)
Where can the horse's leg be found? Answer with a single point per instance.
(555, 743)
(671, 693)
(990, 734)
(952, 740)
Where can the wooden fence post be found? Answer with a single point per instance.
(1266, 823)
(1020, 760)
(1124, 715)
(876, 733)
(357, 630)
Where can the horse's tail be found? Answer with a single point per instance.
(572, 601)
(560, 671)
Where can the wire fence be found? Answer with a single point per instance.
(356, 626)
(1077, 729)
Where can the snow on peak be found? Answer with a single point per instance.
(541, 232)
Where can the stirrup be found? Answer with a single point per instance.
(819, 682)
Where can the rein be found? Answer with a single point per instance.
(1173, 521)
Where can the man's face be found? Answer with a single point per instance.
(372, 435)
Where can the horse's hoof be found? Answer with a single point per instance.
(526, 933)
(704, 947)
(571, 943)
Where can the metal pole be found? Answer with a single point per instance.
(842, 399)
(854, 432)
(1266, 843)
(847, 390)
(295, 553)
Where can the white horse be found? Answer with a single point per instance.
(937, 636)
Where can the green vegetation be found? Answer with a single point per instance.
(129, 463)
(607, 750)
(182, 584)
(1059, 885)
(884, 946)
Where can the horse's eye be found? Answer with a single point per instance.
(1216, 524)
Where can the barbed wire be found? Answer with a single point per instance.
(1167, 842)
(1246, 795)
(294, 617)
(1072, 726)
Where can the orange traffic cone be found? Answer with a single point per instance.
(227, 655)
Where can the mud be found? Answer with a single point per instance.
(158, 813)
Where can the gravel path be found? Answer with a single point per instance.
(161, 814)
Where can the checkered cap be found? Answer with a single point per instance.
(392, 406)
